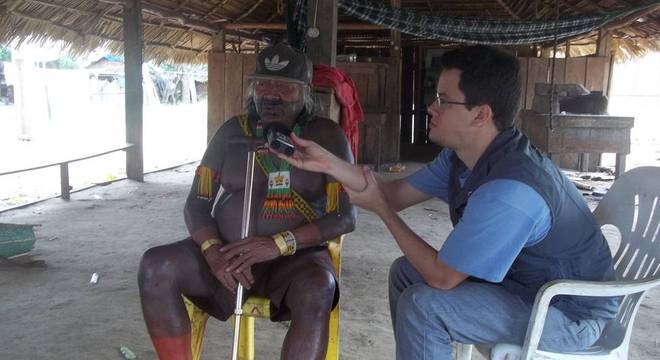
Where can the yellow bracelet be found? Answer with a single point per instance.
(208, 243)
(291, 243)
(280, 242)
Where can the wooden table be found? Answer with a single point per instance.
(582, 134)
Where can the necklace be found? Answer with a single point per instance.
(278, 203)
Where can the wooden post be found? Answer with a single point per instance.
(323, 49)
(187, 89)
(20, 97)
(604, 48)
(620, 165)
(420, 109)
(216, 92)
(407, 94)
(64, 181)
(604, 44)
(392, 131)
(133, 44)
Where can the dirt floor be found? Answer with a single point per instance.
(50, 310)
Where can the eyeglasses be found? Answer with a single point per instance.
(443, 103)
(282, 88)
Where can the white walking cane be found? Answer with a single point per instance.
(247, 210)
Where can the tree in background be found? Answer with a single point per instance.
(5, 53)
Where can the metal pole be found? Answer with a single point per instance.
(245, 230)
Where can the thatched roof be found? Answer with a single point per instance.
(182, 30)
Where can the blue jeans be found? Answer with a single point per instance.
(427, 320)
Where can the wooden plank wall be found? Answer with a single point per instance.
(371, 80)
(368, 78)
(228, 81)
(590, 71)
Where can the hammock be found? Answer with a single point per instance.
(481, 31)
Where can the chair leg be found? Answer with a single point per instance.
(463, 351)
(198, 320)
(246, 338)
(333, 336)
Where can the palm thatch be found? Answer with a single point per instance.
(182, 31)
(174, 31)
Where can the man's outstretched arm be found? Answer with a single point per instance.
(421, 255)
(311, 156)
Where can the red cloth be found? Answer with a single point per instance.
(347, 96)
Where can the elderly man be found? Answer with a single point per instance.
(285, 259)
(518, 222)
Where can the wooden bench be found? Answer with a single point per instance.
(64, 167)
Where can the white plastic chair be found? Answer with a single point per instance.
(632, 205)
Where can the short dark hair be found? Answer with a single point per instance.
(489, 76)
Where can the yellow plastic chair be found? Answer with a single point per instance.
(256, 306)
(259, 307)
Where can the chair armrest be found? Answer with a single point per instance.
(334, 247)
(595, 288)
(574, 287)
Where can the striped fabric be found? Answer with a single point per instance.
(480, 31)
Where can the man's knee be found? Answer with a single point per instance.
(312, 292)
(156, 265)
(403, 274)
(408, 305)
(397, 267)
(420, 300)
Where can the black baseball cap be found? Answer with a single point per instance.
(282, 62)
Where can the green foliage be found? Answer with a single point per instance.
(66, 63)
(168, 67)
(5, 54)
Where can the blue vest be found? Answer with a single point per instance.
(574, 247)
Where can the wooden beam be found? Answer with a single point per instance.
(323, 49)
(214, 9)
(133, 43)
(177, 17)
(604, 43)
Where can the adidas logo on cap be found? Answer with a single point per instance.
(274, 63)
